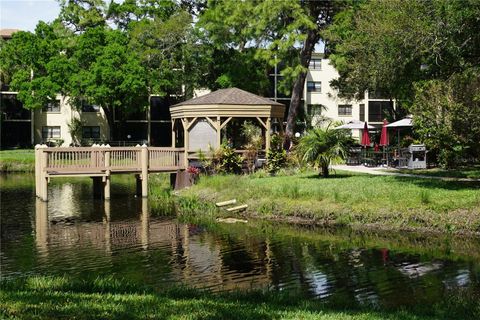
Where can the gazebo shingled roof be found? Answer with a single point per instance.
(232, 96)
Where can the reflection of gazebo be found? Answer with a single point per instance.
(203, 118)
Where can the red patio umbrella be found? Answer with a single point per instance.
(384, 138)
(365, 137)
(384, 134)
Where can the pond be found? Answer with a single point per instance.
(75, 235)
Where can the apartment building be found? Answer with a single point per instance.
(320, 98)
(53, 124)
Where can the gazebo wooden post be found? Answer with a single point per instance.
(173, 133)
(185, 140)
(267, 134)
(218, 127)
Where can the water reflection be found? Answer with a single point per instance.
(75, 235)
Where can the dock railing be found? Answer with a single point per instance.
(102, 161)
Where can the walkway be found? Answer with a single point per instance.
(384, 171)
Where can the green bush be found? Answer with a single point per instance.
(276, 156)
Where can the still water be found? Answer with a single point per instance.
(75, 235)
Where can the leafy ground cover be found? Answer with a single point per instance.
(42, 297)
(357, 200)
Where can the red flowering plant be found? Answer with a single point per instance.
(194, 173)
(193, 170)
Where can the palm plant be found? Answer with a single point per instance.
(321, 147)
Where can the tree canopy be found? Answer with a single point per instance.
(425, 54)
(278, 31)
(108, 54)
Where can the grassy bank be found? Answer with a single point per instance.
(109, 298)
(360, 201)
(22, 160)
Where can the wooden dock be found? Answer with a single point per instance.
(101, 162)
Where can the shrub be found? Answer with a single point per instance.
(276, 156)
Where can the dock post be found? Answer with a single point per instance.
(43, 179)
(106, 182)
(144, 159)
(37, 170)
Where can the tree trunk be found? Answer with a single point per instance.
(297, 91)
(325, 171)
(110, 121)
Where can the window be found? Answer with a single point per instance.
(51, 132)
(315, 109)
(90, 107)
(52, 106)
(315, 64)
(344, 109)
(91, 132)
(314, 86)
(377, 110)
(362, 112)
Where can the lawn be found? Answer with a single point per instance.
(22, 160)
(357, 200)
(38, 297)
(463, 172)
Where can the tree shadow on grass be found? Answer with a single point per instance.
(54, 298)
(330, 177)
(439, 184)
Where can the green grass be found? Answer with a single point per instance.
(22, 160)
(464, 172)
(39, 297)
(389, 202)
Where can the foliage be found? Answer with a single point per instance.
(276, 156)
(322, 146)
(110, 74)
(229, 161)
(75, 129)
(36, 64)
(221, 160)
(425, 54)
(112, 55)
(447, 117)
(253, 136)
(275, 34)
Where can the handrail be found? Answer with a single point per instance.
(113, 159)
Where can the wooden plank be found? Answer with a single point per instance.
(238, 208)
(225, 123)
(226, 203)
(263, 123)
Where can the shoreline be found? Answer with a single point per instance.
(415, 209)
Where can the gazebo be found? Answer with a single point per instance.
(204, 117)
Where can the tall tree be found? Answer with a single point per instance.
(278, 29)
(37, 64)
(110, 74)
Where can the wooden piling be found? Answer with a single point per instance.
(144, 158)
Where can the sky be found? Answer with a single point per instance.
(25, 14)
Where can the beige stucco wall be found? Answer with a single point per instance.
(64, 117)
(328, 96)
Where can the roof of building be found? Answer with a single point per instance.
(7, 33)
(230, 96)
